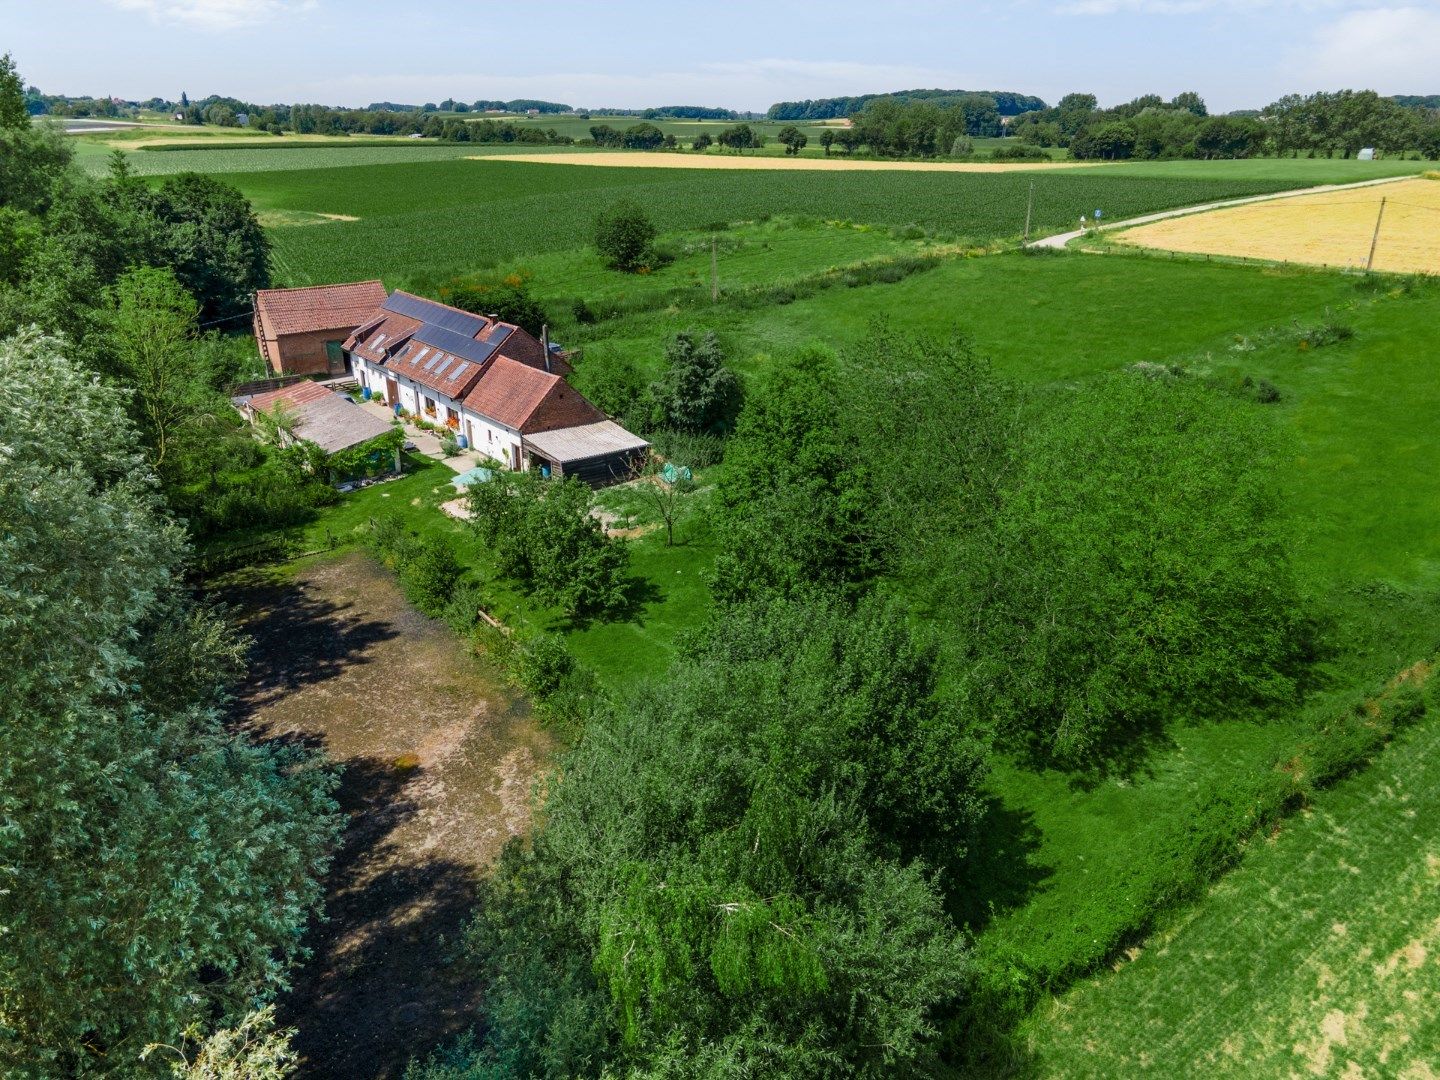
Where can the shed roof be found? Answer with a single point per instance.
(584, 442)
(329, 420)
(317, 307)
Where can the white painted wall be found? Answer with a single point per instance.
(490, 437)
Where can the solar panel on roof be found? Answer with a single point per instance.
(497, 334)
(433, 314)
(455, 375)
(458, 344)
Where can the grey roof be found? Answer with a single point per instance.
(336, 423)
(584, 442)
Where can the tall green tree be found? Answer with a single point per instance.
(723, 884)
(158, 869)
(13, 113)
(151, 338)
(696, 391)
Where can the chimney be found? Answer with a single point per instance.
(545, 344)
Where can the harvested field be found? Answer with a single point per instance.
(633, 159)
(438, 763)
(1333, 228)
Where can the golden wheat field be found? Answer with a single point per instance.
(1332, 228)
(633, 159)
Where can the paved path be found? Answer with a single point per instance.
(427, 442)
(1059, 240)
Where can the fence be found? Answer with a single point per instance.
(269, 549)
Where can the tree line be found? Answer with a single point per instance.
(1001, 102)
(1320, 124)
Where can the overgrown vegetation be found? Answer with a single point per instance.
(117, 772)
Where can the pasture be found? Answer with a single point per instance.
(1316, 957)
(1325, 229)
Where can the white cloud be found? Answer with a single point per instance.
(215, 14)
(1393, 50)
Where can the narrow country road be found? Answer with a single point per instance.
(1059, 240)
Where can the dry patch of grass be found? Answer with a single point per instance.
(1332, 228)
(640, 159)
(273, 219)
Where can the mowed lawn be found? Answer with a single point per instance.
(1319, 956)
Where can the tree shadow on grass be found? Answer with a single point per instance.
(999, 871)
(378, 988)
(639, 594)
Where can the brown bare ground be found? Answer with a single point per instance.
(438, 766)
(640, 159)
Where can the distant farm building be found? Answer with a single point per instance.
(303, 331)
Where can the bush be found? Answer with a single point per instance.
(1189, 607)
(623, 236)
(685, 448)
(429, 574)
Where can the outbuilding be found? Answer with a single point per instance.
(596, 454)
(303, 331)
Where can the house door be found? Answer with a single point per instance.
(515, 458)
(335, 357)
(392, 393)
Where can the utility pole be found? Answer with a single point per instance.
(1374, 240)
(1029, 206)
(714, 274)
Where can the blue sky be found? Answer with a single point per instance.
(741, 54)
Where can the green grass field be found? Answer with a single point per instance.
(1316, 957)
(441, 217)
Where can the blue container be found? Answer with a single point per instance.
(365, 394)
(462, 442)
(398, 408)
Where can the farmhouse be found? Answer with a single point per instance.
(501, 390)
(302, 331)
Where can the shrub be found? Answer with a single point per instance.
(685, 448)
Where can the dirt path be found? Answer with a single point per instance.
(1059, 240)
(438, 763)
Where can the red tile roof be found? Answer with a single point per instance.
(528, 399)
(319, 307)
(294, 395)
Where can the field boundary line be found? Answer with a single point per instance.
(1061, 240)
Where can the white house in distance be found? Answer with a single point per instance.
(497, 387)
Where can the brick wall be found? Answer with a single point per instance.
(304, 354)
(562, 407)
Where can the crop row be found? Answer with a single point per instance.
(425, 216)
